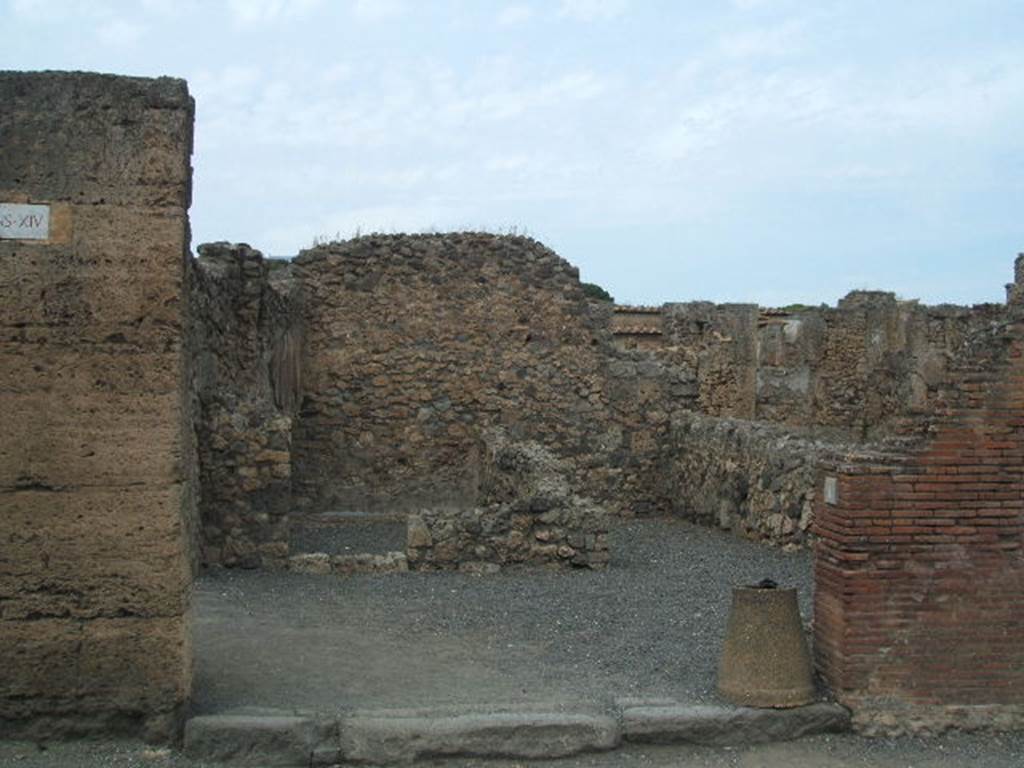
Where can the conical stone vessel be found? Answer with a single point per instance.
(765, 661)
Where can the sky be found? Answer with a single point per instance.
(767, 151)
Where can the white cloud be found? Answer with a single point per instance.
(514, 14)
(593, 10)
(40, 11)
(778, 40)
(377, 10)
(502, 104)
(120, 33)
(265, 11)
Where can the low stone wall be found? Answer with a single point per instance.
(527, 514)
(755, 479)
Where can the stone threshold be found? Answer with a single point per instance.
(344, 565)
(401, 736)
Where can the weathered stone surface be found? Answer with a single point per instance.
(383, 737)
(887, 717)
(868, 368)
(134, 153)
(97, 464)
(389, 562)
(765, 660)
(257, 740)
(310, 562)
(721, 726)
(71, 677)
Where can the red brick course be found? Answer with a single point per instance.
(919, 604)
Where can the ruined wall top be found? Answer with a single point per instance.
(510, 249)
(140, 159)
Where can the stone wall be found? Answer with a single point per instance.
(919, 570)
(525, 512)
(416, 344)
(882, 361)
(247, 380)
(411, 346)
(755, 479)
(718, 342)
(863, 370)
(96, 459)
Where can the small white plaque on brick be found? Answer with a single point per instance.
(24, 222)
(831, 490)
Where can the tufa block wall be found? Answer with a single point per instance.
(919, 568)
(96, 463)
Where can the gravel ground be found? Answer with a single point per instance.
(651, 623)
(649, 626)
(956, 751)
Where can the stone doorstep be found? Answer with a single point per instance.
(390, 736)
(321, 563)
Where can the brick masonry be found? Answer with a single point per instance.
(919, 568)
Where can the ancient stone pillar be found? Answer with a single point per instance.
(96, 466)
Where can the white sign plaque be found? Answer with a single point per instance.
(24, 222)
(831, 491)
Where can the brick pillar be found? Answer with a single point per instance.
(919, 604)
(96, 468)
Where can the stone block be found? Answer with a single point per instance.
(383, 737)
(54, 442)
(62, 285)
(313, 562)
(104, 552)
(723, 726)
(256, 740)
(84, 676)
(128, 144)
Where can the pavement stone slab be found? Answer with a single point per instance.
(726, 726)
(257, 740)
(387, 737)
